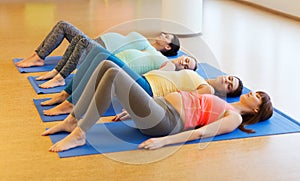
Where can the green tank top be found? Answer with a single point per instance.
(115, 42)
(142, 61)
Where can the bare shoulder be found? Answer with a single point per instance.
(233, 116)
(205, 89)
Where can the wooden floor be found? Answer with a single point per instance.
(235, 34)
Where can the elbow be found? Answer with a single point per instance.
(229, 129)
(197, 134)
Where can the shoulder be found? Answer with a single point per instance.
(206, 89)
(234, 116)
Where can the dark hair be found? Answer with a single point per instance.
(196, 62)
(238, 91)
(175, 46)
(264, 113)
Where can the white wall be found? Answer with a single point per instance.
(186, 15)
(291, 7)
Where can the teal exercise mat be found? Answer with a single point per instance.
(50, 63)
(111, 111)
(35, 84)
(118, 137)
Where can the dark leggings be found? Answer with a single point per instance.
(109, 80)
(80, 44)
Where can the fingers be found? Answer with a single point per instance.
(116, 119)
(125, 117)
(148, 144)
(121, 116)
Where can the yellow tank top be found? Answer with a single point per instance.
(164, 82)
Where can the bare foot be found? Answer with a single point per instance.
(62, 96)
(48, 75)
(68, 125)
(76, 138)
(33, 60)
(63, 108)
(26, 59)
(58, 80)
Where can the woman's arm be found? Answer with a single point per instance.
(229, 122)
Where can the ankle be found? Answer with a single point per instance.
(64, 94)
(71, 120)
(59, 78)
(68, 104)
(80, 133)
(37, 57)
(54, 71)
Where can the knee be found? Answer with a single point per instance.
(103, 66)
(112, 74)
(108, 64)
(62, 23)
(107, 75)
(83, 41)
(79, 38)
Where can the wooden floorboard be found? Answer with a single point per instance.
(24, 153)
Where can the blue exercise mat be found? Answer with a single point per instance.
(40, 109)
(35, 84)
(37, 102)
(117, 137)
(50, 63)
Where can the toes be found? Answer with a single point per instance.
(54, 148)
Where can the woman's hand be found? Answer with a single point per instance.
(121, 116)
(154, 143)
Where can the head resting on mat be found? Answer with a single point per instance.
(227, 85)
(168, 44)
(185, 62)
(261, 109)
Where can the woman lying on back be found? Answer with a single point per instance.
(177, 117)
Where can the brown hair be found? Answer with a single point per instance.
(264, 113)
(238, 91)
(175, 46)
(196, 62)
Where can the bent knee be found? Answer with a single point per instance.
(108, 63)
(62, 23)
(83, 41)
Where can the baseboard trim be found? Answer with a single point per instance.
(264, 8)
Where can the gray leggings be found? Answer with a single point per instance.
(80, 44)
(154, 117)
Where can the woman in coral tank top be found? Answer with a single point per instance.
(177, 117)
